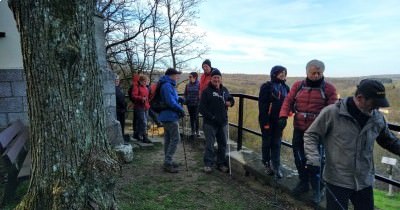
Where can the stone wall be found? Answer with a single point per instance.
(13, 102)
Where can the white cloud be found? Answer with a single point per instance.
(352, 37)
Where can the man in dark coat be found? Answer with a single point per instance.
(120, 105)
(214, 103)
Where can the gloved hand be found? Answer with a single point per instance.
(313, 169)
(181, 113)
(181, 100)
(282, 122)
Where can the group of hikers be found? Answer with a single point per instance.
(333, 138)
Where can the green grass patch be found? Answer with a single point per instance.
(383, 201)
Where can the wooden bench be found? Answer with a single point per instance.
(17, 161)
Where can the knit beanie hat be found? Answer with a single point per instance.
(207, 62)
(216, 72)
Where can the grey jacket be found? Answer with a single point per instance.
(349, 149)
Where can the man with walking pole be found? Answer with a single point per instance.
(348, 130)
(214, 103)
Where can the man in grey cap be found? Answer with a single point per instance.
(348, 130)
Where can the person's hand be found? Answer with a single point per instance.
(282, 122)
(266, 126)
(181, 100)
(228, 104)
(181, 113)
(144, 99)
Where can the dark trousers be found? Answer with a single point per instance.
(141, 122)
(215, 133)
(271, 146)
(338, 198)
(300, 161)
(121, 119)
(153, 116)
(194, 118)
(299, 155)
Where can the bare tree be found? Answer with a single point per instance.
(149, 35)
(72, 165)
(182, 41)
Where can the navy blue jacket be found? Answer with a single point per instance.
(212, 105)
(270, 100)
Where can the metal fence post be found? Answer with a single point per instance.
(240, 123)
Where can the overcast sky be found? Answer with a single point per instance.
(352, 37)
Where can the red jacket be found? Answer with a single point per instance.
(306, 103)
(141, 97)
(204, 80)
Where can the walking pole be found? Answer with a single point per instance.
(229, 152)
(183, 144)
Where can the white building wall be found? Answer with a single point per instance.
(10, 49)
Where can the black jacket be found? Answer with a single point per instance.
(270, 101)
(212, 105)
(120, 100)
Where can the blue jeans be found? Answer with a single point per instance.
(338, 198)
(171, 140)
(271, 146)
(141, 122)
(211, 134)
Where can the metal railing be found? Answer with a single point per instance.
(240, 128)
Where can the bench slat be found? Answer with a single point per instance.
(8, 134)
(26, 167)
(13, 151)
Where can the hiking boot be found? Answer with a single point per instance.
(170, 169)
(175, 164)
(207, 169)
(136, 136)
(146, 140)
(268, 169)
(278, 173)
(223, 169)
(300, 188)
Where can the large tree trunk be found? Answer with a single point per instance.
(72, 163)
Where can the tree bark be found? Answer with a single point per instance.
(72, 164)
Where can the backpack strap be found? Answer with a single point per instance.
(321, 88)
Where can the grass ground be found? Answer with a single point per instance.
(144, 185)
(383, 201)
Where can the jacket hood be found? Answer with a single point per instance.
(275, 71)
(166, 78)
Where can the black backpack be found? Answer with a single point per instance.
(130, 90)
(156, 103)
